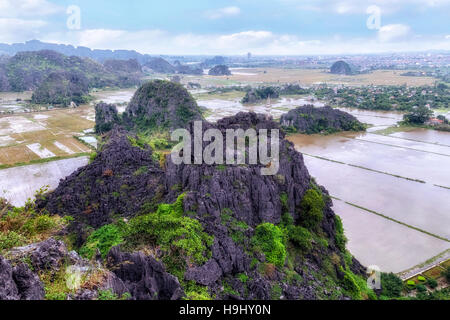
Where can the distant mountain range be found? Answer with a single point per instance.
(69, 50)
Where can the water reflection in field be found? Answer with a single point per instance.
(372, 172)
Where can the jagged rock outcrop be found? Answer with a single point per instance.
(19, 282)
(45, 255)
(8, 288)
(309, 119)
(341, 67)
(219, 70)
(160, 65)
(62, 88)
(143, 276)
(106, 116)
(161, 104)
(230, 202)
(119, 181)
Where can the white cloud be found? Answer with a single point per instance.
(360, 6)
(14, 30)
(393, 32)
(392, 38)
(223, 12)
(28, 8)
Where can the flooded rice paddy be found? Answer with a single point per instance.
(391, 190)
(20, 183)
(219, 109)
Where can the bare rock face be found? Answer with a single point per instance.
(106, 116)
(309, 119)
(19, 282)
(28, 283)
(143, 276)
(163, 105)
(205, 275)
(8, 287)
(120, 180)
(251, 197)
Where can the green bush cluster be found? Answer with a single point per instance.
(340, 238)
(312, 206)
(22, 226)
(301, 237)
(270, 239)
(102, 239)
(169, 229)
(391, 285)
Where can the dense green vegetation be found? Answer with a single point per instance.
(312, 206)
(254, 95)
(400, 98)
(61, 79)
(26, 225)
(180, 237)
(270, 239)
(418, 115)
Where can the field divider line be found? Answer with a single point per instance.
(397, 221)
(364, 168)
(408, 139)
(408, 148)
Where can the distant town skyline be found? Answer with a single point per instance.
(236, 27)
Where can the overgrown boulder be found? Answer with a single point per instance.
(309, 119)
(62, 88)
(161, 105)
(106, 116)
(341, 67)
(219, 70)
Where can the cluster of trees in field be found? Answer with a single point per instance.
(400, 98)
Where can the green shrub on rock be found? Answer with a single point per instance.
(312, 206)
(270, 239)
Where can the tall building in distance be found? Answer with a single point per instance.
(249, 55)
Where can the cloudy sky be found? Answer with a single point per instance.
(275, 27)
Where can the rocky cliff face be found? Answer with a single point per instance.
(310, 120)
(341, 67)
(106, 116)
(118, 182)
(220, 70)
(161, 104)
